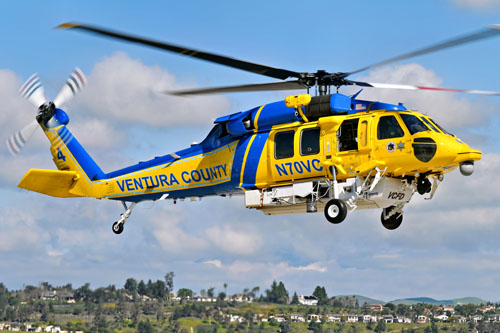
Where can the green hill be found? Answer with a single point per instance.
(363, 299)
(432, 301)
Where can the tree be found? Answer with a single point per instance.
(277, 293)
(131, 286)
(142, 289)
(380, 326)
(83, 293)
(185, 293)
(286, 327)
(210, 292)
(295, 299)
(145, 327)
(169, 283)
(320, 293)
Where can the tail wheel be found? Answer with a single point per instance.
(117, 227)
(392, 222)
(335, 211)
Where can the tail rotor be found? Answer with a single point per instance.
(33, 91)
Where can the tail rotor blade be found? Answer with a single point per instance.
(33, 91)
(74, 84)
(17, 141)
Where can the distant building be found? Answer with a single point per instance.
(308, 300)
(423, 319)
(313, 318)
(375, 307)
(334, 318)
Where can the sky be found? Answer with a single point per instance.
(446, 248)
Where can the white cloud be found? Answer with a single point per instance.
(171, 237)
(128, 90)
(20, 232)
(98, 133)
(450, 110)
(216, 263)
(478, 4)
(241, 242)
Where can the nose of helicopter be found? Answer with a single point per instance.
(464, 156)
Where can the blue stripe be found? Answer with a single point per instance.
(86, 162)
(238, 159)
(253, 159)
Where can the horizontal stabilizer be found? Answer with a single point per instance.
(51, 182)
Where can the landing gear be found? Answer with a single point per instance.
(335, 211)
(119, 225)
(423, 185)
(391, 217)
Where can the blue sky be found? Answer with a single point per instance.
(445, 248)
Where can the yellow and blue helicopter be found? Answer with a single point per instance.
(329, 152)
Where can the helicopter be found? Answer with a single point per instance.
(329, 152)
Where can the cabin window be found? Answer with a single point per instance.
(413, 124)
(347, 135)
(283, 144)
(388, 128)
(309, 141)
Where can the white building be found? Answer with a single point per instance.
(308, 300)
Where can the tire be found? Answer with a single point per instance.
(335, 211)
(393, 222)
(117, 227)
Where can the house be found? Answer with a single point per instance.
(449, 308)
(477, 318)
(388, 319)
(313, 318)
(308, 300)
(297, 318)
(487, 308)
(235, 318)
(352, 318)
(442, 317)
(494, 317)
(375, 307)
(204, 299)
(367, 318)
(459, 319)
(334, 319)
(402, 320)
(423, 319)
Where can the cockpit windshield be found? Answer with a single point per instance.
(413, 124)
(431, 125)
(442, 129)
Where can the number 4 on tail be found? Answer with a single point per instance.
(60, 155)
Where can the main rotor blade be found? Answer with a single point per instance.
(410, 87)
(491, 31)
(287, 85)
(273, 72)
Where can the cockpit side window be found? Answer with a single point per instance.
(388, 128)
(283, 144)
(413, 124)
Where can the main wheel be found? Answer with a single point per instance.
(117, 227)
(392, 222)
(335, 211)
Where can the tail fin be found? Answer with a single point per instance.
(79, 175)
